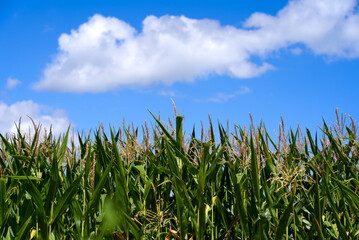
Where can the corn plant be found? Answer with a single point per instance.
(239, 185)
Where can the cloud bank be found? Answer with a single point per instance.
(106, 53)
(10, 115)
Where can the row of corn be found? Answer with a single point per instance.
(157, 183)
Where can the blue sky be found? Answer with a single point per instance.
(84, 62)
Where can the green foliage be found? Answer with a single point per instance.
(242, 185)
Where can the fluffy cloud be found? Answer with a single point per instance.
(106, 53)
(10, 115)
(326, 27)
(12, 83)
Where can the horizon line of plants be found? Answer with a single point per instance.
(245, 185)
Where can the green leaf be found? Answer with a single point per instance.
(21, 231)
(66, 199)
(254, 171)
(98, 188)
(2, 200)
(333, 206)
(283, 222)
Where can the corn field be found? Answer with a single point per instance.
(165, 185)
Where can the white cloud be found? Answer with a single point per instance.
(167, 93)
(12, 83)
(296, 51)
(10, 115)
(106, 53)
(327, 27)
(224, 97)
